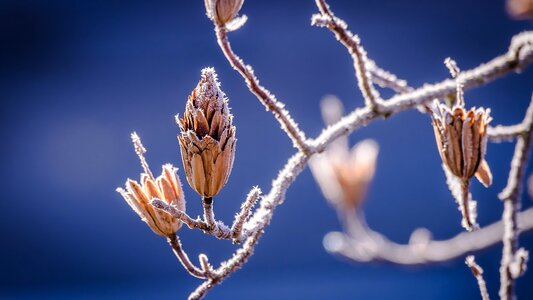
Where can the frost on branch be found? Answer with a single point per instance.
(344, 174)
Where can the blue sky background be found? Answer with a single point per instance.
(76, 77)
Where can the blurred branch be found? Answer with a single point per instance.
(511, 196)
(421, 249)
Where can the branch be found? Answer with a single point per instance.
(174, 242)
(477, 271)
(519, 56)
(214, 227)
(260, 220)
(511, 200)
(219, 229)
(240, 218)
(265, 96)
(505, 133)
(326, 18)
(209, 213)
(421, 249)
(386, 79)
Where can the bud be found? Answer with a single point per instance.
(344, 176)
(207, 139)
(166, 187)
(222, 11)
(462, 139)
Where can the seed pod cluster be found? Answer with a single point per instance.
(207, 138)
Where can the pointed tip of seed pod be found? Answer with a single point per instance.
(208, 89)
(209, 75)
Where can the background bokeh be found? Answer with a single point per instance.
(76, 77)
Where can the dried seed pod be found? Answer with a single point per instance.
(207, 139)
(462, 139)
(166, 187)
(222, 11)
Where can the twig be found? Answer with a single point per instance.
(260, 219)
(326, 18)
(504, 133)
(517, 58)
(477, 271)
(265, 97)
(180, 215)
(209, 213)
(384, 78)
(511, 201)
(421, 249)
(240, 218)
(174, 242)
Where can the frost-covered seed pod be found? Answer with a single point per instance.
(462, 140)
(166, 187)
(207, 138)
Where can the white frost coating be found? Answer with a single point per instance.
(375, 246)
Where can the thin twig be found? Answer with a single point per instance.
(242, 216)
(180, 215)
(421, 249)
(265, 96)
(477, 271)
(209, 213)
(326, 18)
(511, 202)
(502, 133)
(175, 243)
(386, 79)
(260, 220)
(517, 58)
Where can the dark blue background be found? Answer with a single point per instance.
(78, 76)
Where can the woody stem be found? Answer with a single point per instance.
(175, 243)
(209, 215)
(465, 205)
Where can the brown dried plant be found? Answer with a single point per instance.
(207, 142)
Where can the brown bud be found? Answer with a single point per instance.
(222, 11)
(207, 139)
(461, 139)
(166, 187)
